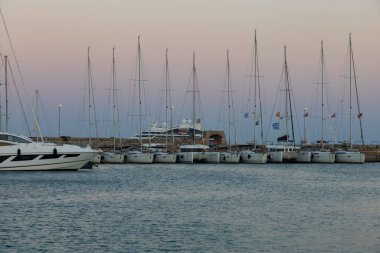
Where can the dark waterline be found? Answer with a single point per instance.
(193, 208)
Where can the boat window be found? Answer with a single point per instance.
(49, 156)
(24, 158)
(3, 158)
(75, 155)
(11, 138)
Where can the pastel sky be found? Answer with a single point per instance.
(51, 39)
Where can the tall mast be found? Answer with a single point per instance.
(89, 94)
(166, 97)
(228, 98)
(139, 82)
(37, 118)
(113, 97)
(288, 101)
(259, 90)
(286, 96)
(322, 91)
(194, 97)
(255, 91)
(6, 92)
(357, 96)
(350, 56)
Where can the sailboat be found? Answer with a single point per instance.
(163, 156)
(114, 155)
(288, 152)
(255, 155)
(139, 155)
(322, 155)
(192, 153)
(230, 156)
(350, 156)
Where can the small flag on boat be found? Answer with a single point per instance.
(257, 123)
(246, 115)
(360, 115)
(276, 126)
(278, 114)
(333, 115)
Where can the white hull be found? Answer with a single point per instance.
(112, 157)
(207, 157)
(349, 157)
(249, 156)
(44, 156)
(275, 156)
(229, 157)
(303, 156)
(97, 159)
(163, 157)
(289, 156)
(322, 157)
(185, 157)
(139, 157)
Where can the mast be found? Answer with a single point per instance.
(6, 92)
(89, 94)
(322, 91)
(166, 97)
(288, 101)
(228, 98)
(357, 95)
(139, 83)
(113, 97)
(37, 118)
(350, 56)
(259, 90)
(254, 92)
(194, 97)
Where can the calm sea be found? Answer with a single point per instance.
(193, 208)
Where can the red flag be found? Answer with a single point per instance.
(278, 114)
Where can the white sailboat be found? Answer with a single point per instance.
(255, 155)
(230, 156)
(322, 155)
(190, 153)
(288, 151)
(163, 156)
(114, 155)
(351, 156)
(140, 155)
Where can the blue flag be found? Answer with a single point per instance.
(276, 126)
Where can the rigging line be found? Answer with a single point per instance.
(357, 99)
(22, 107)
(21, 77)
(274, 105)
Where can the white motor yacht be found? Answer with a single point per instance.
(20, 153)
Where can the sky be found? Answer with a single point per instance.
(50, 39)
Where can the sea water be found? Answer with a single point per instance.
(193, 208)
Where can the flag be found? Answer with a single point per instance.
(278, 114)
(360, 115)
(306, 114)
(333, 115)
(276, 126)
(198, 121)
(257, 123)
(245, 115)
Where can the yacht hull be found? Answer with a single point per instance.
(163, 157)
(349, 157)
(229, 157)
(112, 157)
(140, 157)
(40, 156)
(185, 157)
(303, 156)
(322, 157)
(253, 157)
(275, 156)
